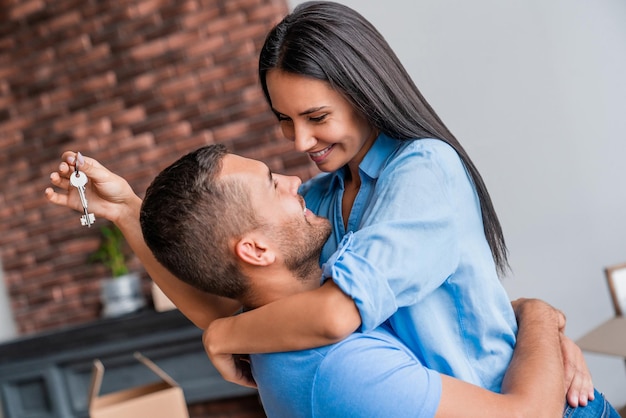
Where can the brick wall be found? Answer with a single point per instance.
(134, 84)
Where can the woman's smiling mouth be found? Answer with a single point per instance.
(318, 156)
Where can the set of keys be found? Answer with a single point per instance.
(79, 180)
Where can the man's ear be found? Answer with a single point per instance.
(254, 250)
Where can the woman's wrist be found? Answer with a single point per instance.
(211, 337)
(128, 213)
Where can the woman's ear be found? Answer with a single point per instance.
(254, 250)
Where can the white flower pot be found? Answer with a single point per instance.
(121, 295)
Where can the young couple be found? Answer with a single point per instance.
(231, 227)
(414, 243)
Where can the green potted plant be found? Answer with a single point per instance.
(121, 293)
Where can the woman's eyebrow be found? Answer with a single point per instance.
(312, 110)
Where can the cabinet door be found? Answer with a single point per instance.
(33, 391)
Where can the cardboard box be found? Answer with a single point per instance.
(161, 302)
(163, 399)
(607, 338)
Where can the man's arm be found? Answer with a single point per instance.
(373, 375)
(111, 197)
(533, 384)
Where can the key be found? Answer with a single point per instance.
(78, 180)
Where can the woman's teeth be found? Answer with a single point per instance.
(319, 153)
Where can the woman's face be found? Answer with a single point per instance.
(319, 120)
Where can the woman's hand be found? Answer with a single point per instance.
(109, 195)
(234, 368)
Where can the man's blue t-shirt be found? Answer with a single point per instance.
(365, 375)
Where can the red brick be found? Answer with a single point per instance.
(178, 85)
(128, 116)
(202, 17)
(105, 108)
(96, 128)
(172, 132)
(149, 50)
(69, 121)
(99, 82)
(143, 8)
(68, 19)
(24, 8)
(180, 40)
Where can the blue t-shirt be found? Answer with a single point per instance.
(415, 252)
(366, 375)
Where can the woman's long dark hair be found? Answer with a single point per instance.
(333, 43)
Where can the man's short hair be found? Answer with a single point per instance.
(190, 219)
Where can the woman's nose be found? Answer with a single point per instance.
(304, 140)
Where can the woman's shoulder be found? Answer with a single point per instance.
(429, 150)
(431, 146)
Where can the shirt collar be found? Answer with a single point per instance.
(375, 159)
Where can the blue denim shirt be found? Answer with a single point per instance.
(415, 252)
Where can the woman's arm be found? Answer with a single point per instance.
(533, 384)
(111, 197)
(310, 319)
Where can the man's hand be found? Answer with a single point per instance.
(234, 368)
(109, 195)
(577, 376)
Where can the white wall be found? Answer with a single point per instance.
(536, 92)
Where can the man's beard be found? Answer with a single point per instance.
(301, 245)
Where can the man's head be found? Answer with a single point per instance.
(217, 220)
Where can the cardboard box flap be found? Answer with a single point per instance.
(96, 380)
(156, 369)
(98, 374)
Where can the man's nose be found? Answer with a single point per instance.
(291, 184)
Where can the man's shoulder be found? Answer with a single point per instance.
(359, 348)
(373, 374)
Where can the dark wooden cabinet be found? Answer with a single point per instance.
(48, 375)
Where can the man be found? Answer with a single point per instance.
(266, 249)
(228, 226)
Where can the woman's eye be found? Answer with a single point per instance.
(318, 118)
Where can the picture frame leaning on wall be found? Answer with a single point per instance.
(616, 279)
